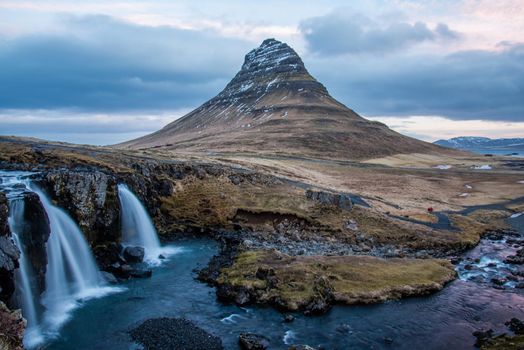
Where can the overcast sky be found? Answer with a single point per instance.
(102, 72)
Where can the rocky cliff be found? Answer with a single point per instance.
(9, 253)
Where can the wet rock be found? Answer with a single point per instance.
(469, 267)
(107, 255)
(9, 253)
(127, 271)
(12, 327)
(289, 318)
(482, 337)
(134, 254)
(344, 328)
(34, 234)
(388, 340)
(499, 281)
(516, 326)
(251, 341)
(174, 333)
(109, 277)
(301, 347)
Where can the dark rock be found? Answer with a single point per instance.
(127, 271)
(12, 327)
(109, 277)
(174, 333)
(134, 254)
(498, 281)
(34, 235)
(108, 256)
(388, 340)
(340, 200)
(516, 326)
(251, 341)
(344, 328)
(483, 337)
(289, 318)
(468, 267)
(161, 257)
(9, 254)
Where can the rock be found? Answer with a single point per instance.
(127, 271)
(388, 340)
(516, 326)
(340, 200)
(520, 285)
(108, 256)
(161, 257)
(134, 254)
(289, 318)
(251, 341)
(174, 333)
(12, 327)
(483, 337)
(9, 254)
(109, 277)
(498, 281)
(344, 328)
(468, 267)
(301, 347)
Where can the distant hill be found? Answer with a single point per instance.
(274, 106)
(482, 143)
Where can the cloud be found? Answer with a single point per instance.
(432, 128)
(339, 33)
(102, 63)
(470, 85)
(78, 126)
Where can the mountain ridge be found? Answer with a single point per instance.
(472, 142)
(274, 106)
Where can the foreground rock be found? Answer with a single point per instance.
(134, 254)
(312, 284)
(251, 341)
(174, 333)
(9, 254)
(12, 327)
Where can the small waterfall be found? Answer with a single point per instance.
(137, 227)
(72, 273)
(24, 276)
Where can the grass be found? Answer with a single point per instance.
(353, 279)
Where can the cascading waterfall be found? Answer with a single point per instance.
(24, 276)
(137, 227)
(72, 274)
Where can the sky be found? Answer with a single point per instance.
(101, 72)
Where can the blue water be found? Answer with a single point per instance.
(442, 320)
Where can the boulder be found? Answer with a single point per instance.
(341, 200)
(134, 254)
(516, 326)
(109, 277)
(12, 327)
(9, 253)
(251, 341)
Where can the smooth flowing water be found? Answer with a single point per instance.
(72, 276)
(137, 226)
(442, 320)
(24, 295)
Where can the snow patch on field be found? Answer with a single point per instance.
(443, 166)
(482, 167)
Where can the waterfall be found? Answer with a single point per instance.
(24, 276)
(137, 227)
(72, 274)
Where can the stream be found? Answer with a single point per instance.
(442, 320)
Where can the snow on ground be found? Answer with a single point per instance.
(516, 215)
(463, 194)
(469, 187)
(443, 166)
(482, 167)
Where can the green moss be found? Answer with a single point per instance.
(351, 279)
(505, 342)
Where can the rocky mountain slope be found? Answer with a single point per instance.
(473, 142)
(274, 106)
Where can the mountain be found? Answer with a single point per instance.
(473, 142)
(274, 106)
